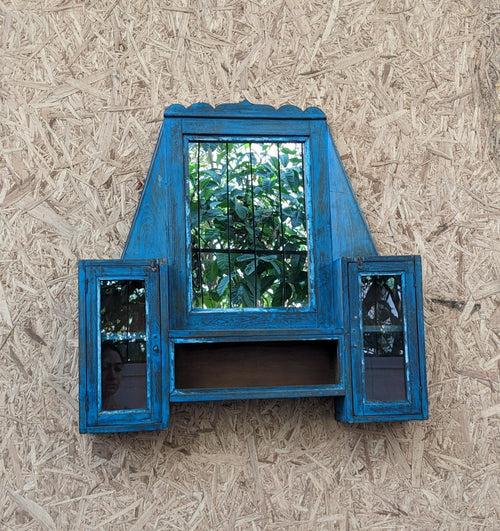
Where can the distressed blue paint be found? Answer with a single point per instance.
(352, 235)
(239, 319)
(343, 404)
(355, 272)
(155, 415)
(163, 209)
(419, 312)
(336, 229)
(243, 110)
(245, 393)
(247, 335)
(355, 407)
(83, 325)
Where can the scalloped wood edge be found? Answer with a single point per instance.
(243, 109)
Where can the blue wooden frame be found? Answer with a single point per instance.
(316, 315)
(336, 229)
(155, 415)
(355, 407)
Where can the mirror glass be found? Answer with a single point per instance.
(123, 344)
(383, 338)
(248, 225)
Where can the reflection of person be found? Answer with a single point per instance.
(111, 374)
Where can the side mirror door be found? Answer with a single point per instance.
(386, 336)
(123, 361)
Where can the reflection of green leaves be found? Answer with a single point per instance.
(269, 258)
(244, 257)
(222, 261)
(250, 268)
(240, 210)
(221, 288)
(211, 272)
(235, 197)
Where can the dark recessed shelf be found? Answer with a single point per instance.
(255, 364)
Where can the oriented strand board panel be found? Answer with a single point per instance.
(409, 91)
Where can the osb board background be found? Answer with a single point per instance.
(409, 91)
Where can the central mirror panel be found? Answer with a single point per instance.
(247, 225)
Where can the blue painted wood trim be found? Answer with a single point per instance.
(246, 393)
(147, 238)
(344, 404)
(155, 415)
(277, 334)
(404, 269)
(126, 427)
(351, 234)
(379, 259)
(421, 337)
(159, 230)
(354, 407)
(365, 419)
(82, 346)
(183, 317)
(243, 110)
(164, 331)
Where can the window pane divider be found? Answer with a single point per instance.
(247, 251)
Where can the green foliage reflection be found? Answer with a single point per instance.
(248, 224)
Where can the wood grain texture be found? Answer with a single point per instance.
(267, 349)
(336, 227)
(83, 91)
